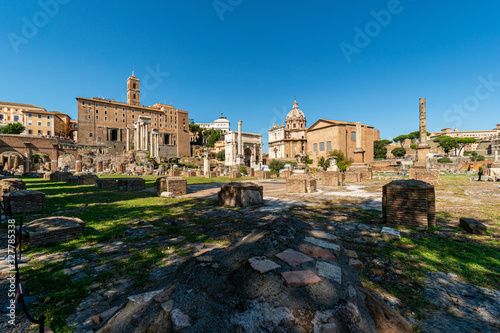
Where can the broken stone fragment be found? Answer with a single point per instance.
(164, 295)
(300, 278)
(167, 195)
(356, 264)
(322, 243)
(262, 264)
(179, 320)
(389, 233)
(351, 254)
(293, 258)
(473, 226)
(315, 251)
(329, 271)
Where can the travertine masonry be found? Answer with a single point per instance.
(241, 194)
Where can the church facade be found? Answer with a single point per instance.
(287, 140)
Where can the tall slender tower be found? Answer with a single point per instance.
(133, 91)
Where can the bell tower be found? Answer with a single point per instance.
(133, 91)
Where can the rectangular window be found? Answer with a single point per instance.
(83, 102)
(105, 118)
(105, 112)
(105, 106)
(39, 116)
(90, 117)
(116, 108)
(133, 110)
(315, 147)
(123, 115)
(97, 105)
(133, 116)
(353, 136)
(30, 115)
(96, 111)
(39, 123)
(90, 110)
(321, 146)
(116, 114)
(30, 122)
(30, 132)
(39, 132)
(328, 145)
(90, 104)
(48, 117)
(123, 109)
(48, 123)
(123, 120)
(48, 132)
(116, 120)
(90, 135)
(96, 117)
(16, 118)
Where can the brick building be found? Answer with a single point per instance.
(327, 135)
(161, 129)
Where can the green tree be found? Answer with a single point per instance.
(276, 165)
(447, 143)
(14, 128)
(413, 146)
(379, 149)
(323, 163)
(243, 170)
(213, 136)
(308, 160)
(193, 128)
(221, 156)
(342, 161)
(401, 139)
(398, 152)
(462, 142)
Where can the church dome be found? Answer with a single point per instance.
(296, 112)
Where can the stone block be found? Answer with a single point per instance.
(176, 185)
(160, 185)
(173, 173)
(24, 201)
(352, 176)
(241, 194)
(263, 174)
(262, 264)
(11, 184)
(47, 176)
(210, 174)
(55, 229)
(293, 258)
(389, 233)
(131, 184)
(409, 203)
(105, 182)
(87, 179)
(331, 178)
(190, 173)
(73, 180)
(430, 176)
(200, 173)
(315, 251)
(301, 183)
(323, 243)
(329, 271)
(300, 278)
(168, 195)
(251, 173)
(60, 176)
(234, 174)
(286, 173)
(472, 226)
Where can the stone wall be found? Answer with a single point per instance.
(52, 230)
(301, 183)
(9, 185)
(131, 184)
(105, 182)
(234, 174)
(263, 174)
(176, 185)
(87, 179)
(24, 201)
(409, 203)
(430, 176)
(331, 178)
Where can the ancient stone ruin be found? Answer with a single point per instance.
(54, 229)
(131, 184)
(283, 277)
(9, 185)
(409, 203)
(24, 201)
(241, 194)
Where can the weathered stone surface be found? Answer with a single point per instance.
(300, 278)
(131, 184)
(386, 319)
(330, 271)
(389, 233)
(323, 243)
(301, 183)
(179, 320)
(322, 235)
(263, 174)
(24, 201)
(241, 194)
(87, 179)
(234, 174)
(351, 254)
(11, 184)
(167, 195)
(105, 182)
(164, 296)
(315, 251)
(356, 264)
(293, 258)
(473, 226)
(54, 229)
(210, 174)
(176, 185)
(262, 264)
(445, 323)
(430, 176)
(465, 300)
(60, 176)
(409, 203)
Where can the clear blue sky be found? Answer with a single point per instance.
(249, 59)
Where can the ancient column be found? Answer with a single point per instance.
(9, 162)
(423, 122)
(240, 144)
(27, 163)
(359, 152)
(78, 166)
(206, 162)
(496, 155)
(151, 146)
(127, 141)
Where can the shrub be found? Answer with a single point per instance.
(444, 160)
(243, 170)
(276, 165)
